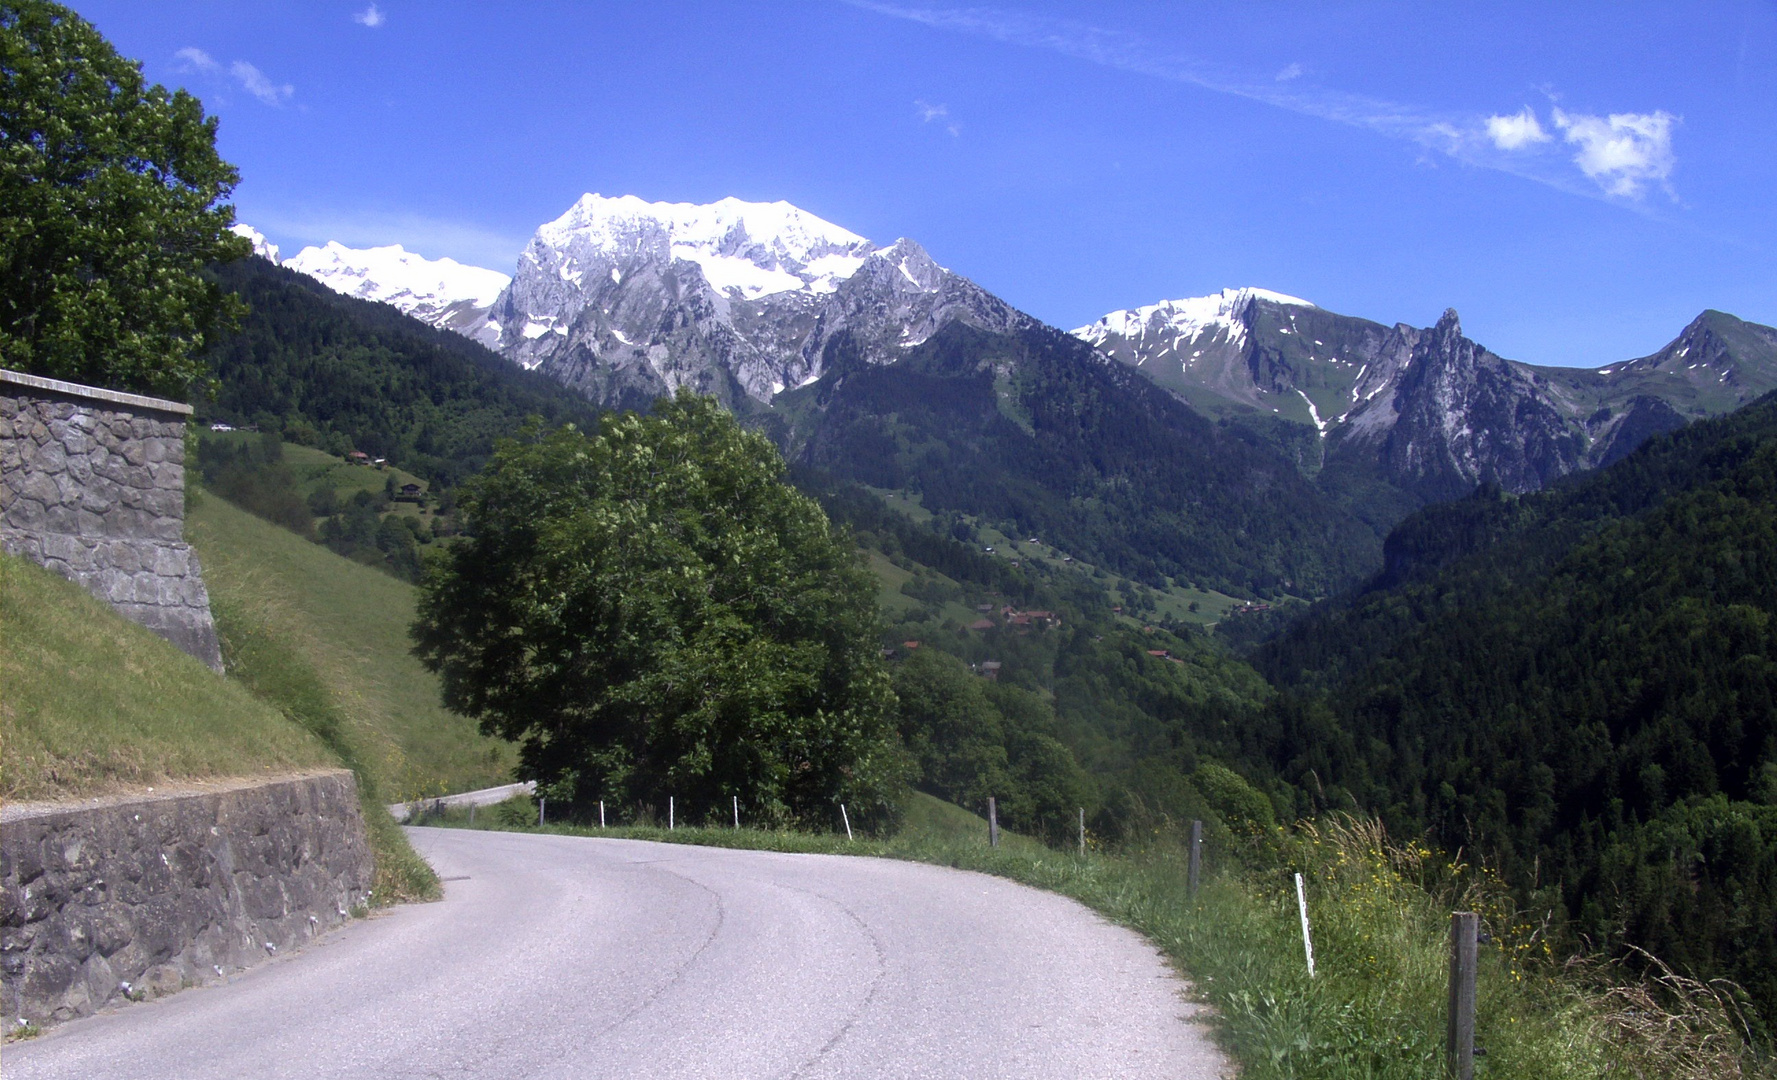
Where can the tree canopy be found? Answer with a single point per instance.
(112, 201)
(653, 612)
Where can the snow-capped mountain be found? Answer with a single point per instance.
(625, 299)
(262, 247)
(442, 292)
(1184, 328)
(1429, 408)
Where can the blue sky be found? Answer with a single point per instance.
(1577, 180)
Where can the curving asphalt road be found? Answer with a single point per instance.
(560, 957)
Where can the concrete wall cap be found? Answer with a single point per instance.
(94, 393)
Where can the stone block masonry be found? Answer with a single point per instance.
(92, 486)
(112, 900)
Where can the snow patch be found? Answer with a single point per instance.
(421, 287)
(745, 248)
(262, 247)
(1195, 317)
(1314, 414)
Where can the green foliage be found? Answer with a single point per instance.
(255, 478)
(973, 739)
(655, 613)
(111, 204)
(343, 374)
(1581, 685)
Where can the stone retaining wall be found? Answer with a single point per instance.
(112, 900)
(92, 486)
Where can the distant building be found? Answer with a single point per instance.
(220, 426)
(358, 457)
(990, 670)
(981, 624)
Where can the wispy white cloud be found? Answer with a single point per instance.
(931, 114)
(371, 16)
(250, 78)
(1517, 131)
(466, 242)
(1622, 152)
(255, 82)
(196, 59)
(1635, 149)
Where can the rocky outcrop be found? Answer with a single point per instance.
(92, 486)
(113, 900)
(1463, 416)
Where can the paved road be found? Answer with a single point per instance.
(558, 957)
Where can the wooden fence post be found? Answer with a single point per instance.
(1194, 875)
(993, 822)
(542, 810)
(1459, 1048)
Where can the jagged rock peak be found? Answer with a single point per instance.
(1449, 323)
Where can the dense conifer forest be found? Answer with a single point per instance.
(1579, 686)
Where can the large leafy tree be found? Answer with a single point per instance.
(112, 200)
(655, 613)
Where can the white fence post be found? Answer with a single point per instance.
(736, 811)
(1307, 941)
(601, 813)
(847, 819)
(670, 825)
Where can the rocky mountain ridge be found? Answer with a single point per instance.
(1429, 409)
(624, 300)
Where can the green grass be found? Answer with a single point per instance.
(349, 624)
(1375, 1008)
(91, 703)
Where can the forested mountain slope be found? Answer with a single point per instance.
(1582, 686)
(1030, 429)
(347, 374)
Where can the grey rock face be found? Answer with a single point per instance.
(626, 301)
(94, 490)
(1463, 416)
(125, 898)
(1429, 410)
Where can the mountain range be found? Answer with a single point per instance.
(832, 343)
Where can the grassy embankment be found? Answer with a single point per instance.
(324, 640)
(92, 704)
(1375, 1008)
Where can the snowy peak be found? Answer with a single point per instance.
(1190, 318)
(916, 267)
(442, 292)
(745, 250)
(262, 247)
